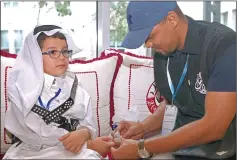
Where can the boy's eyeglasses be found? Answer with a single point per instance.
(55, 54)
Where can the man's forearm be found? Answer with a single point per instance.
(154, 122)
(195, 133)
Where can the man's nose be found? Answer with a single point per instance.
(148, 44)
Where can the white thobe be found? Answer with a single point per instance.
(39, 140)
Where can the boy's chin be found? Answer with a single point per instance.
(58, 74)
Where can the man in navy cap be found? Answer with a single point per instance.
(194, 68)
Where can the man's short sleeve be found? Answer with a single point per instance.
(223, 73)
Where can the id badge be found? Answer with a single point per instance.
(169, 119)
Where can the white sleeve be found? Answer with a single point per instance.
(15, 124)
(88, 122)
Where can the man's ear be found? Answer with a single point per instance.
(172, 19)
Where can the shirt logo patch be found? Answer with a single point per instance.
(199, 86)
(221, 153)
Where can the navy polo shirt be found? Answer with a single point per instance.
(223, 73)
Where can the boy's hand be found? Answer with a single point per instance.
(101, 145)
(74, 140)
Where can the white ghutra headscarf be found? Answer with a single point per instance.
(26, 79)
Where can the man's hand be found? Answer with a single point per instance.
(131, 130)
(127, 150)
(101, 145)
(74, 141)
(137, 130)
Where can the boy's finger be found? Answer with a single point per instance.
(111, 144)
(106, 138)
(117, 141)
(78, 149)
(64, 137)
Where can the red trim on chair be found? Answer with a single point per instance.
(119, 62)
(8, 55)
(118, 52)
(97, 98)
(6, 101)
(130, 54)
(1, 156)
(130, 78)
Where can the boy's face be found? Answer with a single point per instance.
(58, 66)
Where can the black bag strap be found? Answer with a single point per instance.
(55, 115)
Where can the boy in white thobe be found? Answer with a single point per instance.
(50, 114)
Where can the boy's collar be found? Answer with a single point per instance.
(50, 80)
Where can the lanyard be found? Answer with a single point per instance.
(47, 107)
(174, 93)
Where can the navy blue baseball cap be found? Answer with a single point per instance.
(142, 16)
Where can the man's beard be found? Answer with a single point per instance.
(153, 52)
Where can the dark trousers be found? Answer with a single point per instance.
(197, 158)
